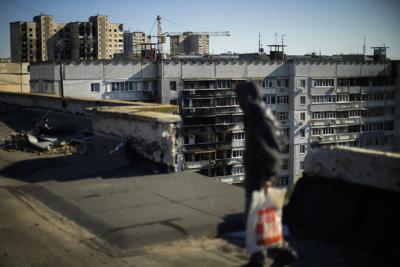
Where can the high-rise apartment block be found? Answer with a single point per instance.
(332, 101)
(134, 42)
(189, 43)
(30, 40)
(43, 39)
(107, 37)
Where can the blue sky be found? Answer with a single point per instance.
(331, 27)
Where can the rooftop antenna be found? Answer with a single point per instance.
(282, 36)
(159, 35)
(260, 49)
(364, 46)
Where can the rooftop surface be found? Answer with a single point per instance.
(103, 209)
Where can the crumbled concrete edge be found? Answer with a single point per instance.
(362, 166)
(152, 135)
(82, 106)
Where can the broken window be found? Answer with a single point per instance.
(302, 100)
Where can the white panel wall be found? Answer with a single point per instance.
(316, 69)
(171, 69)
(197, 69)
(80, 71)
(82, 88)
(231, 69)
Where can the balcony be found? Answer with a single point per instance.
(190, 165)
(199, 111)
(223, 145)
(228, 110)
(348, 89)
(239, 126)
(231, 179)
(349, 105)
(207, 93)
(336, 121)
(335, 137)
(238, 143)
(377, 88)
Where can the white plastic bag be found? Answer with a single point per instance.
(264, 221)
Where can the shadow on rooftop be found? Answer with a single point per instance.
(96, 164)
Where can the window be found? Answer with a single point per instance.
(302, 149)
(303, 116)
(302, 165)
(302, 133)
(266, 83)
(283, 116)
(323, 82)
(282, 181)
(283, 99)
(223, 84)
(238, 136)
(172, 101)
(278, 83)
(323, 98)
(95, 87)
(285, 165)
(269, 99)
(286, 131)
(172, 86)
(303, 83)
(302, 100)
(342, 98)
(146, 85)
(237, 153)
(238, 170)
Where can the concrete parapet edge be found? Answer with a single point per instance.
(356, 165)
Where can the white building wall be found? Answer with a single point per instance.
(78, 79)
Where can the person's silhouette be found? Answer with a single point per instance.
(262, 157)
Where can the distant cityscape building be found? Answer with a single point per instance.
(189, 43)
(134, 42)
(43, 39)
(318, 101)
(107, 37)
(29, 40)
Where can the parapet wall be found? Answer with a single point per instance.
(81, 106)
(361, 166)
(152, 135)
(349, 197)
(151, 130)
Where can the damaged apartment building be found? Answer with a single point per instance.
(330, 101)
(45, 39)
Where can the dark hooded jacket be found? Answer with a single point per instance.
(262, 158)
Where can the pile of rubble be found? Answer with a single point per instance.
(49, 138)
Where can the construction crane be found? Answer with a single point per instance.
(161, 37)
(223, 33)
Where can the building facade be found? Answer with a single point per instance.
(43, 39)
(189, 43)
(29, 41)
(134, 42)
(107, 37)
(132, 81)
(317, 102)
